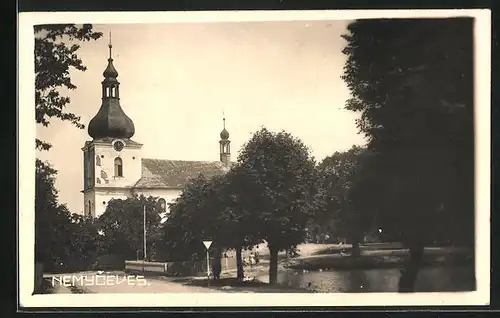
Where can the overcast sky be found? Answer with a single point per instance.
(178, 79)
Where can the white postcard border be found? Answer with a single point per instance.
(27, 133)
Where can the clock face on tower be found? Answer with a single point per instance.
(118, 145)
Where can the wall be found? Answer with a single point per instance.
(168, 194)
(166, 268)
(105, 195)
(108, 187)
(132, 165)
(89, 196)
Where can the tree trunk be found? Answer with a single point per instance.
(217, 264)
(239, 264)
(409, 273)
(38, 278)
(273, 265)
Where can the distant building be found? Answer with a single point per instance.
(113, 164)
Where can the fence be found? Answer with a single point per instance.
(166, 268)
(143, 267)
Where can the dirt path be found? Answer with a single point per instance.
(144, 286)
(161, 285)
(59, 289)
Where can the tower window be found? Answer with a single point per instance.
(224, 148)
(118, 167)
(98, 161)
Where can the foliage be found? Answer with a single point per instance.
(207, 209)
(188, 225)
(277, 178)
(237, 228)
(411, 82)
(277, 182)
(121, 227)
(53, 60)
(62, 240)
(336, 175)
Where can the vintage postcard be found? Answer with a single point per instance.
(291, 158)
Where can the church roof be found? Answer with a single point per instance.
(157, 173)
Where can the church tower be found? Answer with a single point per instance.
(225, 146)
(112, 160)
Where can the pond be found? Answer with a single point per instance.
(432, 279)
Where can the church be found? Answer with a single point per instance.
(113, 164)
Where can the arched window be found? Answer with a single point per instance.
(162, 205)
(98, 161)
(118, 167)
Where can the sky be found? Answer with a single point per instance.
(177, 80)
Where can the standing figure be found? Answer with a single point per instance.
(217, 267)
(252, 259)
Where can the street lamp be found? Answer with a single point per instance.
(144, 216)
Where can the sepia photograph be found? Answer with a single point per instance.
(281, 157)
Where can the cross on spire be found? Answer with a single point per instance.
(110, 45)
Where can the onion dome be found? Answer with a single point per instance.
(111, 120)
(224, 134)
(110, 71)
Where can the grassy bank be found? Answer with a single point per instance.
(372, 257)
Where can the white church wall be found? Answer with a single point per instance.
(131, 160)
(168, 194)
(103, 196)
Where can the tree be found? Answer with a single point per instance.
(411, 81)
(50, 218)
(189, 223)
(53, 60)
(122, 227)
(238, 230)
(83, 242)
(60, 237)
(208, 209)
(336, 176)
(277, 182)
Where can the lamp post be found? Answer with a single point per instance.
(144, 239)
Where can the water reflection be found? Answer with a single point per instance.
(435, 279)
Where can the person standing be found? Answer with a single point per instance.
(217, 266)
